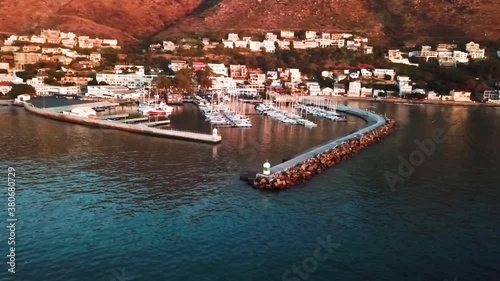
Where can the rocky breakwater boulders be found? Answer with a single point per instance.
(317, 164)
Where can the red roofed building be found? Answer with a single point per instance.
(198, 65)
(5, 87)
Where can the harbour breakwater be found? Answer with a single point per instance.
(313, 162)
(138, 129)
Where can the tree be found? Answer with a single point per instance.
(183, 79)
(204, 77)
(163, 82)
(93, 82)
(19, 89)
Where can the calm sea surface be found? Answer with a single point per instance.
(105, 205)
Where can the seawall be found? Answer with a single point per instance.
(138, 129)
(316, 160)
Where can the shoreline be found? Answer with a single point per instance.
(408, 101)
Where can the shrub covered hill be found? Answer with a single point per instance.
(139, 19)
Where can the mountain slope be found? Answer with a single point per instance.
(137, 19)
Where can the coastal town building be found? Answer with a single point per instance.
(366, 92)
(169, 46)
(287, 34)
(131, 81)
(223, 83)
(257, 79)
(238, 71)
(255, 46)
(218, 69)
(31, 48)
(491, 96)
(339, 89)
(405, 88)
(5, 87)
(10, 48)
(354, 89)
(22, 59)
(311, 34)
(461, 96)
(313, 88)
(177, 65)
(116, 92)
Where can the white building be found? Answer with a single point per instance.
(255, 46)
(132, 81)
(223, 83)
(169, 46)
(405, 88)
(233, 37)
(95, 57)
(461, 57)
(311, 34)
(177, 65)
(241, 44)
(313, 88)
(295, 75)
(354, 89)
(218, 69)
(38, 39)
(5, 66)
(287, 34)
(460, 95)
(284, 44)
(116, 92)
(380, 72)
(271, 36)
(269, 46)
(110, 42)
(228, 43)
(257, 79)
(366, 92)
(491, 96)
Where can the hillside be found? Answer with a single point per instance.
(136, 19)
(125, 20)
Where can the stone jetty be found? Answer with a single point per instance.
(310, 163)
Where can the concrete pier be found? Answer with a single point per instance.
(132, 128)
(315, 160)
(156, 123)
(114, 116)
(90, 104)
(133, 120)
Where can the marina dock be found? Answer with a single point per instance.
(157, 123)
(133, 120)
(90, 104)
(131, 128)
(112, 117)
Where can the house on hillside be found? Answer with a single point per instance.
(287, 34)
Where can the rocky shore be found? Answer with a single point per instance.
(320, 162)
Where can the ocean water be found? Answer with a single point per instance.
(104, 205)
